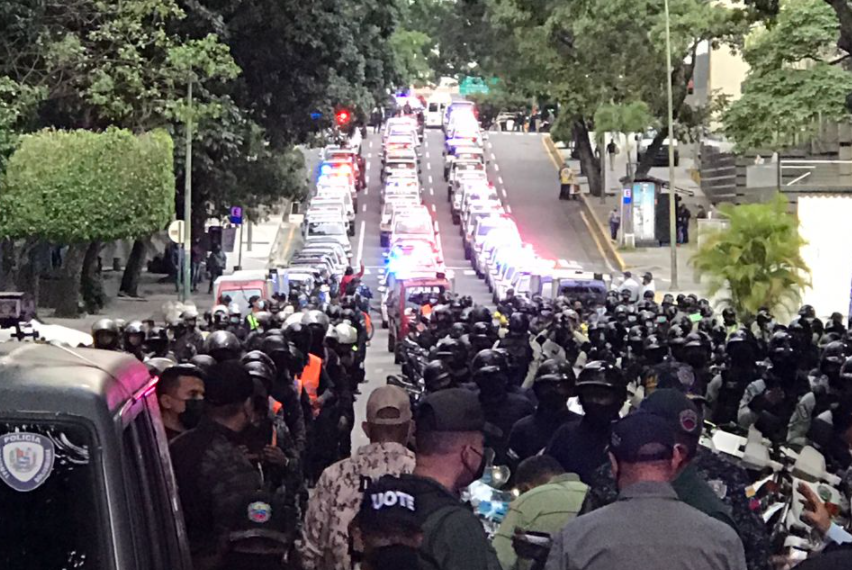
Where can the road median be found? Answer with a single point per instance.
(602, 237)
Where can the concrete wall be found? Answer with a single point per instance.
(822, 218)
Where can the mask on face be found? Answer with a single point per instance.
(602, 414)
(696, 359)
(551, 400)
(391, 557)
(193, 411)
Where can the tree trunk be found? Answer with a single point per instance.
(133, 269)
(91, 286)
(69, 303)
(647, 160)
(589, 163)
(8, 265)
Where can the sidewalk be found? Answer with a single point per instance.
(156, 290)
(638, 260)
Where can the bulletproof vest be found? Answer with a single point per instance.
(521, 354)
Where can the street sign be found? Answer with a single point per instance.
(627, 196)
(176, 231)
(236, 216)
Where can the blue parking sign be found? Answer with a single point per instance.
(627, 196)
(236, 216)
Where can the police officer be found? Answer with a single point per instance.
(222, 346)
(191, 341)
(106, 335)
(726, 390)
(516, 343)
(436, 377)
(554, 385)
(581, 446)
(211, 470)
(134, 339)
(490, 373)
(826, 392)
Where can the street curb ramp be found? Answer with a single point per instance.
(596, 226)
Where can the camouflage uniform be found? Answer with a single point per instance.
(335, 502)
(213, 475)
(728, 481)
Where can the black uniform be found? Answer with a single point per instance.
(532, 433)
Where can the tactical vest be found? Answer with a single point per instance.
(309, 380)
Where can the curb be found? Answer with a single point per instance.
(603, 235)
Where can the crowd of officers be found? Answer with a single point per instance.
(259, 409)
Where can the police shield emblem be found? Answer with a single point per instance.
(26, 460)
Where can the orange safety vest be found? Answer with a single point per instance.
(309, 380)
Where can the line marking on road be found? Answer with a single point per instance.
(364, 208)
(371, 144)
(508, 209)
(431, 191)
(493, 157)
(597, 241)
(433, 208)
(504, 193)
(369, 155)
(366, 190)
(427, 155)
(500, 179)
(469, 272)
(549, 153)
(437, 226)
(367, 179)
(428, 166)
(497, 168)
(361, 241)
(430, 179)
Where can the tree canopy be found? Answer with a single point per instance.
(793, 79)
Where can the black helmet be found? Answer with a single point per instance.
(458, 330)
(156, 339)
(261, 371)
(694, 340)
(479, 314)
(555, 370)
(203, 362)
(223, 345)
(299, 335)
(259, 356)
(441, 315)
(519, 323)
(807, 312)
(729, 314)
(158, 365)
(489, 360)
(846, 372)
(600, 373)
(833, 353)
(316, 318)
(264, 320)
(436, 376)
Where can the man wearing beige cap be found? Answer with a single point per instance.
(337, 497)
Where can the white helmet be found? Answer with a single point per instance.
(346, 333)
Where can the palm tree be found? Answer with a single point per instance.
(756, 259)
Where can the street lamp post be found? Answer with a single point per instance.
(187, 201)
(672, 202)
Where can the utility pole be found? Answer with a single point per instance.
(187, 200)
(672, 202)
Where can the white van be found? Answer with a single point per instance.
(436, 107)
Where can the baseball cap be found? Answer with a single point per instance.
(388, 399)
(258, 519)
(390, 504)
(450, 410)
(227, 383)
(676, 408)
(641, 430)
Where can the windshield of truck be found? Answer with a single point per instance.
(241, 298)
(414, 226)
(49, 497)
(416, 296)
(316, 229)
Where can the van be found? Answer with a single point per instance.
(436, 107)
(338, 193)
(86, 478)
(324, 230)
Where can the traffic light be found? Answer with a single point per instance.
(342, 118)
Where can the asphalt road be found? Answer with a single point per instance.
(525, 177)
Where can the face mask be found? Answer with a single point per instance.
(193, 411)
(695, 359)
(479, 471)
(602, 414)
(393, 557)
(550, 400)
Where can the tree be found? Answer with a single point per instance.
(755, 261)
(585, 53)
(410, 49)
(628, 118)
(793, 81)
(79, 187)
